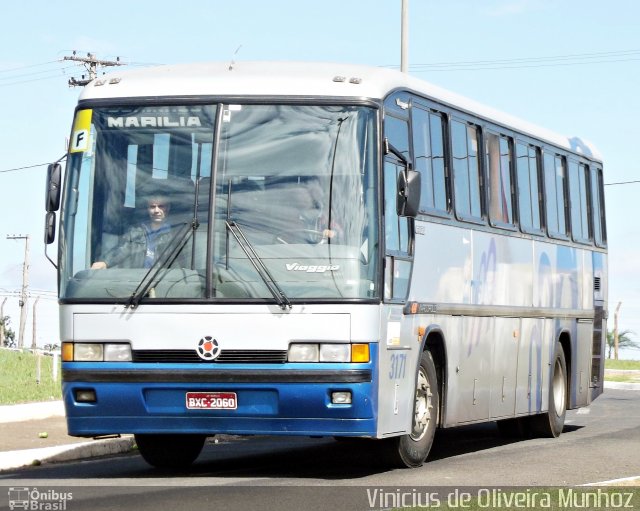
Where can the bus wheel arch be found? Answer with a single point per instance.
(433, 342)
(551, 423)
(411, 450)
(565, 342)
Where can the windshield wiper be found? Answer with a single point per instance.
(258, 264)
(164, 260)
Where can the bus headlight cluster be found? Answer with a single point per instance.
(328, 352)
(96, 352)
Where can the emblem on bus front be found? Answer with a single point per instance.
(208, 348)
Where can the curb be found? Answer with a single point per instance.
(72, 452)
(621, 385)
(31, 411)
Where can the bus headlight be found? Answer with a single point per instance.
(117, 353)
(335, 353)
(88, 352)
(303, 353)
(96, 352)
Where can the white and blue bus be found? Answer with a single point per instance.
(346, 251)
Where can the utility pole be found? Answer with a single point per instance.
(33, 330)
(615, 332)
(91, 64)
(404, 36)
(25, 285)
(2, 322)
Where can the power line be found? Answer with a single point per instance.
(31, 73)
(56, 76)
(20, 68)
(524, 62)
(622, 183)
(36, 73)
(523, 66)
(573, 56)
(25, 167)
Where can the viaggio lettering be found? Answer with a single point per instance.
(312, 268)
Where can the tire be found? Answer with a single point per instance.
(170, 451)
(412, 450)
(551, 423)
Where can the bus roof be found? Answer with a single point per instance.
(302, 79)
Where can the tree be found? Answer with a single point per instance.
(9, 337)
(624, 341)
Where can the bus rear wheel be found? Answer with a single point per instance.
(170, 451)
(551, 423)
(412, 450)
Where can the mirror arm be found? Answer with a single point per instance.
(390, 148)
(50, 260)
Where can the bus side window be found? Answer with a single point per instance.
(578, 186)
(597, 199)
(466, 170)
(428, 147)
(499, 158)
(555, 172)
(397, 239)
(528, 168)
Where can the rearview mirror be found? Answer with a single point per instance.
(408, 198)
(50, 228)
(54, 176)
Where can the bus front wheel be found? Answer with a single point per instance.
(411, 450)
(170, 451)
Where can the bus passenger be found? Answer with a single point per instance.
(142, 243)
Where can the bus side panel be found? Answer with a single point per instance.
(505, 367)
(399, 353)
(533, 363)
(600, 293)
(442, 275)
(583, 343)
(469, 358)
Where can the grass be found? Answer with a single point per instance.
(622, 364)
(622, 378)
(616, 367)
(18, 378)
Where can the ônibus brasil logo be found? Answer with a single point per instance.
(38, 500)
(208, 348)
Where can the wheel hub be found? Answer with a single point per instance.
(423, 406)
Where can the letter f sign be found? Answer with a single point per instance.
(79, 141)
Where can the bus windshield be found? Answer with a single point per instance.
(221, 202)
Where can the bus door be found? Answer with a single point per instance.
(399, 349)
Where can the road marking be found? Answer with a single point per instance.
(616, 482)
(584, 411)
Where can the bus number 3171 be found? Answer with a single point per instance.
(398, 366)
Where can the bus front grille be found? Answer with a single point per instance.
(226, 356)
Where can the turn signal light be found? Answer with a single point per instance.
(360, 353)
(67, 352)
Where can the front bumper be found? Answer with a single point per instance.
(279, 399)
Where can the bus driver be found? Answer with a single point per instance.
(142, 243)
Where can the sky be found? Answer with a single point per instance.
(572, 66)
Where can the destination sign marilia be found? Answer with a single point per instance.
(149, 121)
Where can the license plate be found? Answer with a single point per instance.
(212, 401)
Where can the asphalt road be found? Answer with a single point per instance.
(599, 443)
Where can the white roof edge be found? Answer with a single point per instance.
(268, 78)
